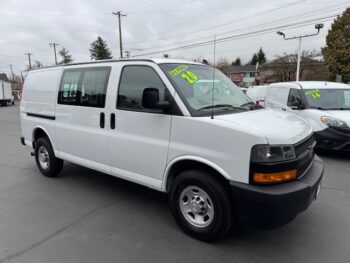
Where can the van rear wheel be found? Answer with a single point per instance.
(46, 160)
(201, 205)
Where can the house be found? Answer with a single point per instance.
(243, 76)
(3, 77)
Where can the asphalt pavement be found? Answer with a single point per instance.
(86, 216)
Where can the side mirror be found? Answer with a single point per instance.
(150, 100)
(297, 105)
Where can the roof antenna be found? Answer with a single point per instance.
(212, 91)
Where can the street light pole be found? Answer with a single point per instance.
(318, 27)
(298, 63)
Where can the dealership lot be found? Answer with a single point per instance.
(86, 216)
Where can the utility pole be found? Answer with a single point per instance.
(119, 14)
(29, 60)
(318, 27)
(13, 75)
(54, 50)
(22, 76)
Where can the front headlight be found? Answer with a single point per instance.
(333, 122)
(272, 153)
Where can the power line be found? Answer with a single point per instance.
(238, 20)
(147, 4)
(274, 23)
(10, 56)
(232, 21)
(239, 36)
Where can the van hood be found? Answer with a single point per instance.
(343, 115)
(278, 127)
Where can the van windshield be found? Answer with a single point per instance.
(201, 92)
(328, 99)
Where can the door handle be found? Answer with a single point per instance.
(284, 109)
(112, 121)
(102, 120)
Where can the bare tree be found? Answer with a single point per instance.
(36, 64)
(283, 68)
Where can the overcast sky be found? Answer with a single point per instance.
(157, 25)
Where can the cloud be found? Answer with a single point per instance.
(29, 26)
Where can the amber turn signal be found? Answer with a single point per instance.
(268, 178)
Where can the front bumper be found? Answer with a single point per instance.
(275, 205)
(332, 139)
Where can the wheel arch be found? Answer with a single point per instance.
(40, 131)
(183, 163)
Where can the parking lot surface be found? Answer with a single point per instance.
(86, 216)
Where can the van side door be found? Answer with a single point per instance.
(139, 136)
(81, 132)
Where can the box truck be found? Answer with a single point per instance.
(5, 93)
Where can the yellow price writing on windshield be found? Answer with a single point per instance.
(190, 77)
(178, 70)
(315, 94)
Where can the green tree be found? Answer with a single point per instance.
(99, 50)
(258, 57)
(237, 62)
(336, 53)
(254, 59)
(66, 57)
(261, 56)
(36, 64)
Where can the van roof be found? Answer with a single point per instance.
(154, 60)
(314, 84)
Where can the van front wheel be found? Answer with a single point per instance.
(201, 205)
(46, 160)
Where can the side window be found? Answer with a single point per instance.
(84, 87)
(68, 93)
(94, 87)
(294, 97)
(279, 95)
(133, 81)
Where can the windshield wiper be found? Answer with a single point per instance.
(319, 108)
(250, 104)
(225, 106)
(340, 108)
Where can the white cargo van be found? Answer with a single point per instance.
(168, 125)
(325, 105)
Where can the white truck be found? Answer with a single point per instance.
(5, 93)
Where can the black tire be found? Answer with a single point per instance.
(54, 165)
(218, 192)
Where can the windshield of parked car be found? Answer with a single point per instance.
(328, 99)
(202, 93)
